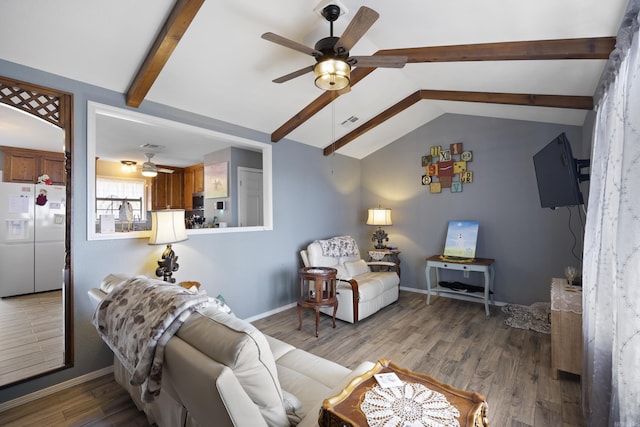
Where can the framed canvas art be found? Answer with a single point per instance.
(462, 237)
(216, 183)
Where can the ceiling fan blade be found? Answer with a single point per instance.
(361, 22)
(163, 170)
(282, 41)
(384, 61)
(294, 74)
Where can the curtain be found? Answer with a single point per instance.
(611, 269)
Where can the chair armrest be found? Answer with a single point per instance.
(385, 266)
(385, 263)
(355, 292)
(95, 297)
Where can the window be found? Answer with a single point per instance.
(112, 192)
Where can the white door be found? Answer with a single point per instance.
(250, 197)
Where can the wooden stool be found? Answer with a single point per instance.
(317, 289)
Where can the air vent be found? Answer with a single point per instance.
(349, 122)
(151, 146)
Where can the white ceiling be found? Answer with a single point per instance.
(222, 68)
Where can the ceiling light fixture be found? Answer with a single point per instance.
(128, 165)
(332, 74)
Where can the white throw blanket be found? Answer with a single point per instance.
(339, 246)
(137, 318)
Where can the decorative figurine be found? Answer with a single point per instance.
(379, 236)
(167, 265)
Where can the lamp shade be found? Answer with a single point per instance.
(167, 226)
(332, 74)
(379, 216)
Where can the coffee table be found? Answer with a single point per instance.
(421, 398)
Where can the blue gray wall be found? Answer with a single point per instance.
(530, 244)
(318, 197)
(314, 197)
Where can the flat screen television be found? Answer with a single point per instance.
(559, 174)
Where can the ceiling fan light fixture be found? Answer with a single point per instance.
(332, 74)
(149, 173)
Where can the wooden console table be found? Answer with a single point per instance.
(482, 265)
(317, 289)
(347, 410)
(566, 328)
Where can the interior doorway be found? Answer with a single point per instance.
(250, 197)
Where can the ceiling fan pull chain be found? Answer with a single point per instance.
(333, 132)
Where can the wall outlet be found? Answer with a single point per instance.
(465, 274)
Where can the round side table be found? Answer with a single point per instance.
(317, 289)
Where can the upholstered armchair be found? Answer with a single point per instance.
(361, 290)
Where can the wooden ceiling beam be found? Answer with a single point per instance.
(380, 118)
(320, 102)
(555, 101)
(183, 13)
(584, 48)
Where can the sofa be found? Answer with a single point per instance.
(220, 370)
(363, 288)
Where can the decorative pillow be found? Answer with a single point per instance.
(355, 268)
(219, 303)
(111, 281)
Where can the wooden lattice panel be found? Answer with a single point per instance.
(46, 107)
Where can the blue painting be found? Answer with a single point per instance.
(462, 237)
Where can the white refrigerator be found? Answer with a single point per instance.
(32, 234)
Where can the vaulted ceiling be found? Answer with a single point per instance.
(221, 67)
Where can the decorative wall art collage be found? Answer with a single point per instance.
(447, 168)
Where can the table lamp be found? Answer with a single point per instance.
(379, 216)
(167, 227)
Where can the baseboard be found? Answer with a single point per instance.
(55, 388)
(270, 312)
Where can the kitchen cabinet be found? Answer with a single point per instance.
(193, 183)
(25, 165)
(198, 180)
(168, 190)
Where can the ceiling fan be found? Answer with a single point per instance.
(149, 169)
(586, 48)
(333, 63)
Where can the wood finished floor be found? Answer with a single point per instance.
(451, 340)
(31, 335)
